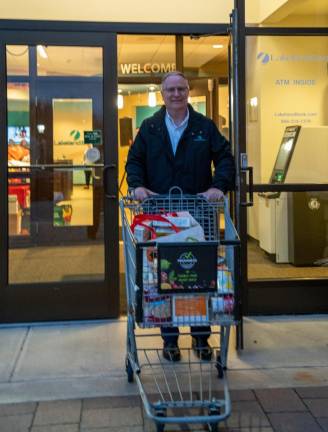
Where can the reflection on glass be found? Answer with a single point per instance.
(19, 191)
(287, 77)
(205, 56)
(73, 192)
(55, 192)
(305, 13)
(17, 60)
(288, 236)
(69, 61)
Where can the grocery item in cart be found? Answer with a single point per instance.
(190, 310)
(223, 304)
(156, 309)
(224, 281)
(167, 227)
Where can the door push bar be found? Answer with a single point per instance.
(244, 168)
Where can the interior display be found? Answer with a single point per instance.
(18, 145)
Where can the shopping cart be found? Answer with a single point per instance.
(191, 390)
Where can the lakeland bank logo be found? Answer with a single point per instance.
(263, 57)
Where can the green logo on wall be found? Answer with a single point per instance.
(75, 134)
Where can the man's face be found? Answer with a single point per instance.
(175, 93)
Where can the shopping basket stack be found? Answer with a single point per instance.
(181, 270)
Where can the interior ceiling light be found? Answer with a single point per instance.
(42, 51)
(120, 99)
(152, 102)
(217, 46)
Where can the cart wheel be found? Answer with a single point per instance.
(213, 427)
(129, 371)
(160, 426)
(219, 366)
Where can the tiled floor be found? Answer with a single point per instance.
(265, 410)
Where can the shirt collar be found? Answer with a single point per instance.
(184, 121)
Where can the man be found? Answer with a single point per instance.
(176, 147)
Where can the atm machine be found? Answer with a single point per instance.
(293, 226)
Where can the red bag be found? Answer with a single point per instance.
(141, 219)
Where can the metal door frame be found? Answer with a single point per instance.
(28, 302)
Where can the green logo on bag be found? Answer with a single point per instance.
(187, 260)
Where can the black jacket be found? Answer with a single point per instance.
(152, 164)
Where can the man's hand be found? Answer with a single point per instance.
(141, 193)
(212, 194)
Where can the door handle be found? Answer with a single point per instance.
(244, 168)
(108, 194)
(249, 203)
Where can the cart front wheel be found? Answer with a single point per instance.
(213, 427)
(160, 426)
(129, 370)
(214, 411)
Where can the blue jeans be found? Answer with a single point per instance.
(171, 334)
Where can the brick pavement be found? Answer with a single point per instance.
(302, 409)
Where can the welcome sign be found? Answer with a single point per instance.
(146, 68)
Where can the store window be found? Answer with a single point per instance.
(17, 60)
(19, 141)
(69, 61)
(55, 187)
(291, 13)
(287, 135)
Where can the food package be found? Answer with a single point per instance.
(156, 309)
(224, 280)
(223, 304)
(190, 310)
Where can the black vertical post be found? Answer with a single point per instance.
(179, 53)
(111, 161)
(239, 65)
(3, 179)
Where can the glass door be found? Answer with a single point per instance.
(287, 136)
(62, 251)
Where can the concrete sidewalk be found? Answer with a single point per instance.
(70, 377)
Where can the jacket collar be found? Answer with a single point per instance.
(158, 120)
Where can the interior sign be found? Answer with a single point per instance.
(146, 68)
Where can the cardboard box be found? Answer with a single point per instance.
(13, 206)
(15, 223)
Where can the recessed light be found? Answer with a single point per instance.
(217, 46)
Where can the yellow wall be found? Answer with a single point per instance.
(205, 11)
(273, 84)
(258, 10)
